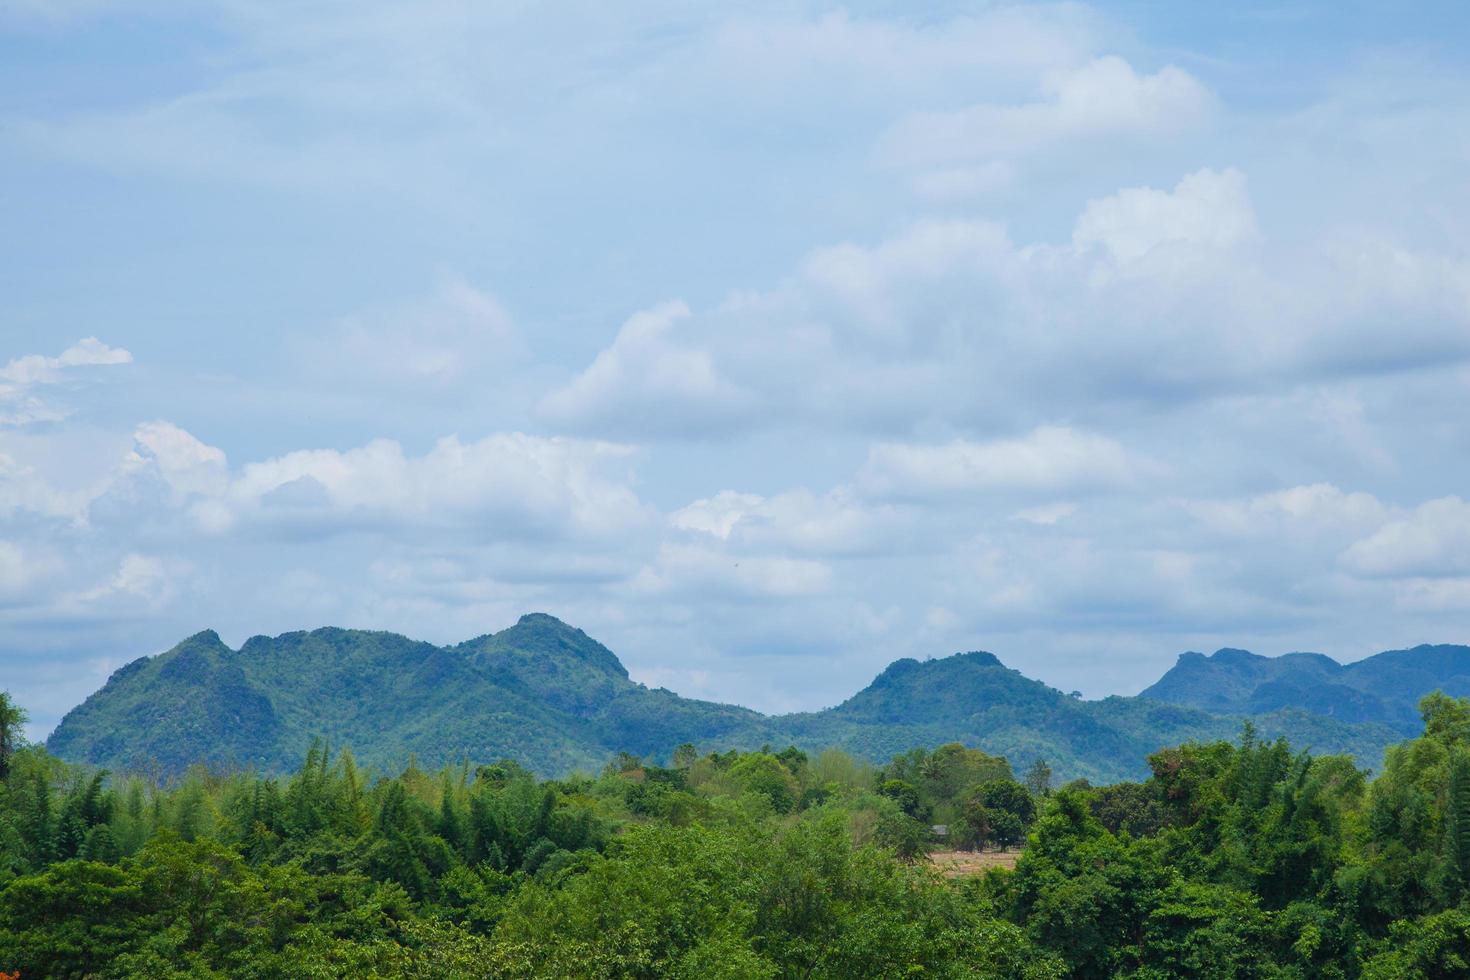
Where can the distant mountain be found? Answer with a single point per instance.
(975, 699)
(1382, 689)
(551, 697)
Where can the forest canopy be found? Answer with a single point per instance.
(1233, 859)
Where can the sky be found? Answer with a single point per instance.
(766, 342)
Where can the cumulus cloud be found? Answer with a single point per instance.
(1158, 296)
(506, 484)
(1208, 208)
(646, 370)
(1433, 540)
(186, 464)
(716, 515)
(1051, 459)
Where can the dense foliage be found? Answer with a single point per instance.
(555, 700)
(1233, 859)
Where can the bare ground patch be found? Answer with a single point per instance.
(959, 864)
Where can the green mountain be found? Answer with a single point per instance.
(975, 699)
(540, 692)
(554, 699)
(1383, 689)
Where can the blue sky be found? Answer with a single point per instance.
(768, 343)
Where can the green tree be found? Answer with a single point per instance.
(1009, 809)
(1038, 778)
(12, 719)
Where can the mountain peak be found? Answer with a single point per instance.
(907, 665)
(543, 619)
(549, 639)
(552, 661)
(981, 658)
(204, 638)
(1231, 656)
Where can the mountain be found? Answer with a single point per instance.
(975, 699)
(541, 692)
(549, 696)
(1382, 689)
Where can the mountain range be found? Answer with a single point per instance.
(1384, 688)
(552, 698)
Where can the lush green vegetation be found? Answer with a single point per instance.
(1233, 859)
(550, 697)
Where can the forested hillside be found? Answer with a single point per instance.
(553, 699)
(540, 692)
(1382, 689)
(1241, 858)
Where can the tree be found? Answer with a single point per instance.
(1132, 807)
(974, 829)
(12, 717)
(1038, 778)
(902, 793)
(1009, 808)
(763, 774)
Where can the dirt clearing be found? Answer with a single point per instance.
(958, 864)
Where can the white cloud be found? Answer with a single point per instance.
(34, 369)
(1158, 297)
(645, 370)
(1433, 540)
(18, 406)
(506, 484)
(716, 515)
(1050, 459)
(1103, 97)
(22, 488)
(186, 464)
(138, 577)
(1312, 508)
(1207, 208)
(684, 569)
(830, 524)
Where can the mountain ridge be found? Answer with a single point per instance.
(544, 693)
(1383, 688)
